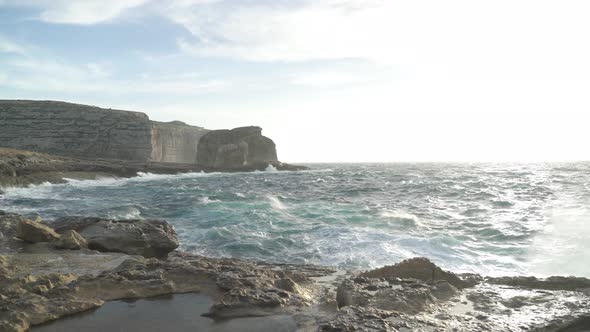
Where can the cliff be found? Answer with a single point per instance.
(74, 130)
(94, 133)
(236, 148)
(175, 142)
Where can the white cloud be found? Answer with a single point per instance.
(8, 46)
(461, 39)
(42, 75)
(324, 78)
(77, 12)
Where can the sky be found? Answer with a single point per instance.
(328, 80)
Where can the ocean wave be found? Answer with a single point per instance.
(461, 216)
(275, 203)
(207, 200)
(98, 182)
(125, 213)
(270, 168)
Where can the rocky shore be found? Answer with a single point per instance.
(21, 168)
(56, 268)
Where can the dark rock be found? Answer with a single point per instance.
(417, 268)
(551, 283)
(34, 231)
(360, 319)
(237, 148)
(148, 238)
(8, 222)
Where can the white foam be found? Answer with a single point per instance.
(130, 213)
(270, 168)
(393, 214)
(207, 200)
(141, 176)
(98, 182)
(276, 203)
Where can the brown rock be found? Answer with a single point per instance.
(34, 231)
(417, 268)
(72, 240)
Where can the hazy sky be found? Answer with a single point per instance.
(328, 80)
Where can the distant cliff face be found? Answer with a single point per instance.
(68, 129)
(175, 142)
(236, 148)
(77, 130)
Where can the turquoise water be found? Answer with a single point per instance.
(487, 218)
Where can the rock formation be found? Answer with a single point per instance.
(75, 130)
(34, 231)
(71, 240)
(39, 283)
(148, 238)
(89, 132)
(175, 142)
(236, 148)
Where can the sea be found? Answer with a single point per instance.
(488, 218)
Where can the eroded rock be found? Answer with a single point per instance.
(417, 268)
(148, 238)
(236, 149)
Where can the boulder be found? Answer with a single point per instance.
(243, 147)
(71, 240)
(34, 231)
(417, 268)
(148, 238)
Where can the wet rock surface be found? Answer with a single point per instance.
(41, 283)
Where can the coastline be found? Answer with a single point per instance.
(42, 283)
(20, 168)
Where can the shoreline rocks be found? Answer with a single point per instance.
(148, 238)
(71, 240)
(34, 231)
(39, 283)
(21, 168)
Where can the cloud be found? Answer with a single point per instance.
(458, 39)
(285, 31)
(77, 12)
(8, 46)
(42, 73)
(324, 79)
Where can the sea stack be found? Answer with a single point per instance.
(236, 148)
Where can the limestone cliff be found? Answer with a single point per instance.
(91, 133)
(75, 130)
(236, 148)
(175, 142)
